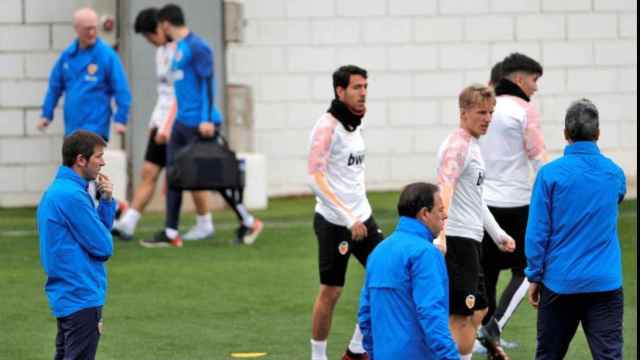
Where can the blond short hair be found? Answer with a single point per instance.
(476, 94)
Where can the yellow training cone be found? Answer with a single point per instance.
(248, 355)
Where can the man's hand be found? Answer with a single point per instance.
(358, 231)
(207, 129)
(120, 128)
(43, 124)
(160, 138)
(534, 294)
(506, 243)
(104, 187)
(441, 243)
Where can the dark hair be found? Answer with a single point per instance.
(416, 196)
(516, 62)
(581, 121)
(146, 21)
(342, 76)
(496, 74)
(80, 142)
(173, 14)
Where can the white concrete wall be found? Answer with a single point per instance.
(32, 34)
(420, 54)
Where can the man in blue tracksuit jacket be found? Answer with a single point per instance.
(404, 303)
(572, 247)
(75, 241)
(90, 74)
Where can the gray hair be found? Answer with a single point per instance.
(581, 122)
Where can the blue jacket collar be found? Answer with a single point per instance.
(582, 147)
(65, 172)
(75, 46)
(413, 226)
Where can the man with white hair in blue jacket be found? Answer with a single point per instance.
(90, 75)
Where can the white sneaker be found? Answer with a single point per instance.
(122, 230)
(508, 344)
(198, 233)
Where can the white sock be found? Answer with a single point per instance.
(129, 220)
(466, 357)
(355, 346)
(204, 221)
(247, 219)
(171, 233)
(318, 350)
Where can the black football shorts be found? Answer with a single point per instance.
(335, 247)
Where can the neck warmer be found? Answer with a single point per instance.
(508, 87)
(349, 120)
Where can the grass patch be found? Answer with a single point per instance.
(210, 298)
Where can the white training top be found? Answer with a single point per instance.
(336, 172)
(461, 166)
(166, 97)
(512, 141)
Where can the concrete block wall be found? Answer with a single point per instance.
(32, 34)
(420, 53)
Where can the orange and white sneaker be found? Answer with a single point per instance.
(160, 239)
(348, 355)
(248, 235)
(121, 208)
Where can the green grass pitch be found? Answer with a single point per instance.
(210, 298)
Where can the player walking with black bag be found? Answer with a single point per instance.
(197, 118)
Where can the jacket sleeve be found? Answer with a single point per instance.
(534, 140)
(622, 189)
(450, 168)
(491, 225)
(538, 228)
(120, 88)
(364, 320)
(202, 60)
(107, 212)
(430, 296)
(321, 140)
(206, 94)
(87, 227)
(54, 91)
(167, 123)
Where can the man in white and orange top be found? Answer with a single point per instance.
(461, 172)
(513, 143)
(160, 124)
(343, 221)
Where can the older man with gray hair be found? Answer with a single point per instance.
(90, 74)
(572, 247)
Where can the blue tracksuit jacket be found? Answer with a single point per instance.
(193, 81)
(75, 241)
(404, 303)
(572, 242)
(89, 79)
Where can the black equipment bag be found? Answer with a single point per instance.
(206, 164)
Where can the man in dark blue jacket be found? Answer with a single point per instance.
(572, 247)
(75, 242)
(404, 303)
(90, 74)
